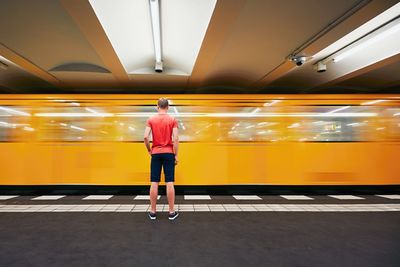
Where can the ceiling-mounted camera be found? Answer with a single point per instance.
(320, 66)
(298, 60)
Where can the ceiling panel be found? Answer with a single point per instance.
(44, 33)
(265, 33)
(246, 40)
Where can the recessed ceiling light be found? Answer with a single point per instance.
(127, 25)
(374, 41)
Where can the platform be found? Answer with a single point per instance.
(230, 230)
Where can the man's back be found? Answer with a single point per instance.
(161, 127)
(164, 155)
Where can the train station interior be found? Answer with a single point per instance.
(199, 133)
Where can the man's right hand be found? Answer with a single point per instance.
(176, 160)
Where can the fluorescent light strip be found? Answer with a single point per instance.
(30, 129)
(59, 100)
(7, 125)
(339, 109)
(77, 128)
(373, 52)
(373, 102)
(135, 45)
(364, 43)
(156, 26)
(14, 111)
(294, 125)
(253, 115)
(73, 114)
(361, 31)
(344, 114)
(65, 101)
(267, 104)
(92, 110)
(135, 114)
(215, 115)
(353, 124)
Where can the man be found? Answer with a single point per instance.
(164, 153)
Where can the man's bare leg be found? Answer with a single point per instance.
(171, 196)
(153, 196)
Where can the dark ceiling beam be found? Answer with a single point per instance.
(28, 66)
(4, 89)
(222, 21)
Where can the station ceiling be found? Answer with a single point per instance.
(60, 46)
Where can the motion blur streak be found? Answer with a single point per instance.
(226, 139)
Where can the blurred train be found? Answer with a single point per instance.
(225, 139)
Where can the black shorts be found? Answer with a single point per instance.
(167, 162)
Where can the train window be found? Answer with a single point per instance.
(200, 123)
(70, 124)
(334, 130)
(225, 124)
(5, 129)
(93, 124)
(15, 124)
(390, 124)
(330, 123)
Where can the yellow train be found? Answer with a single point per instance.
(225, 139)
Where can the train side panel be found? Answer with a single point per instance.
(348, 163)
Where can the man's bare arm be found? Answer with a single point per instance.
(175, 139)
(146, 138)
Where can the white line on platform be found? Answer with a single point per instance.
(389, 196)
(346, 197)
(7, 197)
(296, 197)
(247, 197)
(48, 197)
(197, 197)
(144, 197)
(205, 208)
(98, 197)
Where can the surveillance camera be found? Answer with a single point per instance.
(158, 67)
(298, 60)
(320, 67)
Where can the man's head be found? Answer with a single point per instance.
(162, 103)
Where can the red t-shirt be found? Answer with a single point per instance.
(161, 129)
